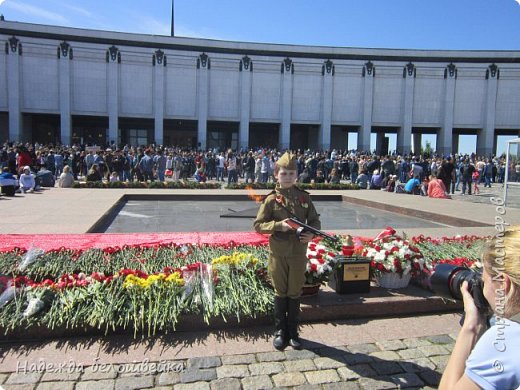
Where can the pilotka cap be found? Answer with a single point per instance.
(287, 161)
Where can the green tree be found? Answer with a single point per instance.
(427, 151)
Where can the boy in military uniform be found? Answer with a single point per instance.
(287, 251)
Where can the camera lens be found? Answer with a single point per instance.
(458, 278)
(442, 279)
(447, 280)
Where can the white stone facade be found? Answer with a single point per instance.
(73, 73)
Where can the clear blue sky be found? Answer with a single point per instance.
(413, 24)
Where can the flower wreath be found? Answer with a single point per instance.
(391, 253)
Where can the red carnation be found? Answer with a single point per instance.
(98, 276)
(82, 283)
(47, 282)
(20, 281)
(126, 272)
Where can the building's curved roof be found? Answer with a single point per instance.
(250, 48)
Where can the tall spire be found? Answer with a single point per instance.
(173, 30)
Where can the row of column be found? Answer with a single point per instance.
(404, 136)
(444, 143)
(64, 51)
(14, 51)
(445, 136)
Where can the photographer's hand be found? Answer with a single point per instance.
(474, 324)
(474, 320)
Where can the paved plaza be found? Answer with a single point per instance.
(376, 354)
(69, 210)
(364, 353)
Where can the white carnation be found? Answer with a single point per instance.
(379, 256)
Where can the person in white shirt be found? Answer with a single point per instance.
(66, 178)
(264, 170)
(258, 168)
(220, 167)
(27, 182)
(114, 177)
(169, 162)
(177, 166)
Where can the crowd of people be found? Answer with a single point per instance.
(415, 174)
(478, 348)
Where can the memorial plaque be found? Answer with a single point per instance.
(351, 276)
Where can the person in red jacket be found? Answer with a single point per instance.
(23, 158)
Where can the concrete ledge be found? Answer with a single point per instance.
(379, 302)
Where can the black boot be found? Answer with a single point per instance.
(293, 314)
(280, 323)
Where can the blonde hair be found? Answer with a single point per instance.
(502, 255)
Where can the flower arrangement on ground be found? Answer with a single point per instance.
(461, 251)
(323, 257)
(390, 253)
(236, 259)
(447, 248)
(150, 288)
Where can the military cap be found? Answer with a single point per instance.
(287, 161)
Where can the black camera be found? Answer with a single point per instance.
(447, 280)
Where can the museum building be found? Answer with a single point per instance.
(69, 85)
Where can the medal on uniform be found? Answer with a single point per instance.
(280, 199)
(303, 203)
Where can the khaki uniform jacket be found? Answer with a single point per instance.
(271, 214)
